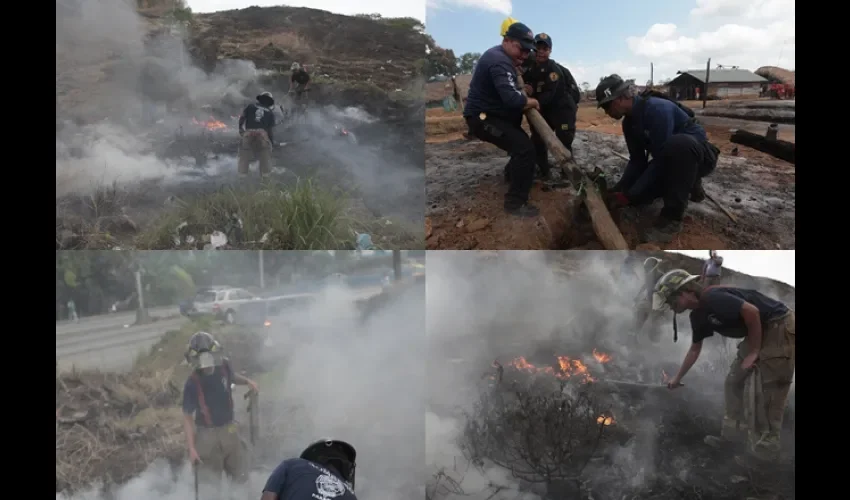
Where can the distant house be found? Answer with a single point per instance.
(732, 83)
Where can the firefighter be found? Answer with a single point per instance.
(555, 88)
(255, 126)
(681, 155)
(767, 330)
(325, 469)
(494, 109)
(299, 81)
(208, 419)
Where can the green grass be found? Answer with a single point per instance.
(302, 217)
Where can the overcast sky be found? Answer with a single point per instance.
(386, 8)
(774, 264)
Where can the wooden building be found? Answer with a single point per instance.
(723, 83)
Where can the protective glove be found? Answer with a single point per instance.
(616, 200)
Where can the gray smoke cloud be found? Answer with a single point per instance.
(501, 305)
(335, 376)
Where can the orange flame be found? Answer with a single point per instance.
(603, 420)
(567, 367)
(601, 357)
(211, 124)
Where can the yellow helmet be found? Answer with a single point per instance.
(507, 24)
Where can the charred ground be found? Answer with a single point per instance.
(581, 411)
(195, 73)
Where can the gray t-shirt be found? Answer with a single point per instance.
(712, 267)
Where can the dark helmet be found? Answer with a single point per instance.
(199, 343)
(610, 88)
(338, 454)
(266, 99)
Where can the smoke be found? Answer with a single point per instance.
(500, 305)
(338, 376)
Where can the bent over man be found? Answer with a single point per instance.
(324, 470)
(255, 126)
(211, 433)
(494, 109)
(555, 88)
(767, 331)
(680, 150)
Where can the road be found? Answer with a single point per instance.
(111, 342)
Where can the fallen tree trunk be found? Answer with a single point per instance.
(754, 114)
(603, 225)
(783, 150)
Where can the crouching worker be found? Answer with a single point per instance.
(255, 126)
(324, 470)
(767, 351)
(211, 433)
(681, 154)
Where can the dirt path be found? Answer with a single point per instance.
(464, 190)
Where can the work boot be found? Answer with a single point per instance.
(767, 447)
(524, 210)
(697, 192)
(731, 431)
(662, 231)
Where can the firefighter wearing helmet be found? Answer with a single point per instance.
(766, 329)
(299, 81)
(325, 469)
(211, 433)
(256, 126)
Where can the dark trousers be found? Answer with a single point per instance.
(563, 123)
(684, 159)
(511, 138)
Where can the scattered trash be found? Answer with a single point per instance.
(363, 241)
(217, 240)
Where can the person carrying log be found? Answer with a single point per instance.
(208, 418)
(681, 155)
(256, 125)
(767, 331)
(494, 109)
(325, 470)
(555, 88)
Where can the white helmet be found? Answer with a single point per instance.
(651, 264)
(295, 67)
(668, 285)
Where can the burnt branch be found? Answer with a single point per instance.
(537, 432)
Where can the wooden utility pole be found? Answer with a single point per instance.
(397, 265)
(603, 225)
(707, 75)
(651, 75)
(142, 316)
(262, 272)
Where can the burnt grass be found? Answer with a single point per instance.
(654, 450)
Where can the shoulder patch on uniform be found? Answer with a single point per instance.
(553, 76)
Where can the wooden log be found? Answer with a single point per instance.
(603, 225)
(783, 150)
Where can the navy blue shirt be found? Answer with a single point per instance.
(494, 89)
(300, 479)
(217, 396)
(258, 117)
(652, 122)
(720, 312)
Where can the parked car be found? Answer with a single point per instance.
(225, 303)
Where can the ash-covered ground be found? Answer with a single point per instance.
(761, 196)
(539, 388)
(147, 124)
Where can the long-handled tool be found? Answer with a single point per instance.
(195, 471)
(707, 196)
(253, 415)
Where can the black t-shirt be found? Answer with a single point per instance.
(300, 77)
(720, 312)
(258, 117)
(217, 396)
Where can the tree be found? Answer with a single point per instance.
(440, 61)
(467, 61)
(585, 86)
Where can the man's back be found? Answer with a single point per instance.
(300, 479)
(498, 96)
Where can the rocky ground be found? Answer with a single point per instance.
(464, 190)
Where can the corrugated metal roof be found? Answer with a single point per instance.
(725, 75)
